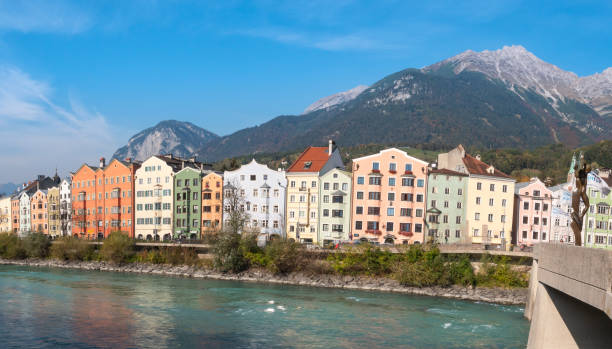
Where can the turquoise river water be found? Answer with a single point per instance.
(42, 308)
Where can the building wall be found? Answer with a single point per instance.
(25, 217)
(66, 208)
(560, 216)
(334, 216)
(254, 177)
(6, 217)
(118, 197)
(597, 228)
(532, 214)
(447, 193)
(40, 212)
(303, 207)
(154, 184)
(53, 211)
(187, 201)
(16, 213)
(503, 205)
(212, 203)
(87, 203)
(409, 191)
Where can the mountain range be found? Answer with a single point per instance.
(491, 99)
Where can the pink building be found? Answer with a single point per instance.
(532, 213)
(388, 198)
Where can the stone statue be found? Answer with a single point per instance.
(579, 192)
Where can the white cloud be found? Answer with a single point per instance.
(43, 16)
(37, 135)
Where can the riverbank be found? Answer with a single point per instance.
(514, 296)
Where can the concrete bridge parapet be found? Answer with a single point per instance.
(570, 297)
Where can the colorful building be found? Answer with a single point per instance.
(489, 201)
(6, 217)
(389, 195)
(262, 193)
(446, 195)
(53, 207)
(560, 216)
(335, 206)
(303, 191)
(103, 200)
(187, 201)
(15, 212)
(597, 227)
(155, 195)
(533, 203)
(212, 203)
(25, 214)
(39, 211)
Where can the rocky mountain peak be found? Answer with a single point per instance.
(335, 99)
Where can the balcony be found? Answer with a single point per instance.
(406, 233)
(373, 232)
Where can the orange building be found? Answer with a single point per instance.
(212, 203)
(103, 199)
(15, 212)
(39, 212)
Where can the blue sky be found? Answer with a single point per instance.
(78, 78)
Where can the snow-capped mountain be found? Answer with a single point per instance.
(178, 138)
(517, 67)
(335, 99)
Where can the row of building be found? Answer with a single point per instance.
(388, 197)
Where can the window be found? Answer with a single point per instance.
(389, 226)
(325, 213)
(536, 193)
(391, 196)
(491, 202)
(360, 180)
(313, 184)
(536, 220)
(374, 195)
(338, 199)
(420, 183)
(445, 204)
(374, 180)
(253, 178)
(325, 227)
(392, 166)
(445, 219)
(477, 216)
(358, 225)
(478, 200)
(326, 186)
(375, 166)
(374, 211)
(446, 191)
(544, 221)
(344, 186)
(459, 191)
(390, 211)
(408, 182)
(418, 228)
(418, 212)
(536, 206)
(535, 235)
(419, 198)
(478, 186)
(337, 213)
(503, 202)
(459, 204)
(405, 212)
(408, 167)
(359, 195)
(433, 203)
(525, 220)
(405, 226)
(434, 190)
(391, 181)
(490, 217)
(359, 210)
(544, 207)
(491, 187)
(458, 219)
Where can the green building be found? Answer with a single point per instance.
(597, 228)
(446, 207)
(335, 206)
(187, 202)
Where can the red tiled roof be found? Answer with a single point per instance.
(447, 172)
(477, 167)
(317, 156)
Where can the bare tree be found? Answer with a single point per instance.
(234, 208)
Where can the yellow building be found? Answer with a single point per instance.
(303, 189)
(53, 206)
(489, 200)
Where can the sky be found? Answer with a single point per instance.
(78, 78)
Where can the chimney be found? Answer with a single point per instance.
(478, 157)
(330, 147)
(102, 162)
(128, 160)
(182, 164)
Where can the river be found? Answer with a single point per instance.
(42, 307)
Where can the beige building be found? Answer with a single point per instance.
(5, 214)
(303, 191)
(489, 200)
(53, 207)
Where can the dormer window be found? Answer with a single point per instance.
(375, 166)
(307, 164)
(491, 170)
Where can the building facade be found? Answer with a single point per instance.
(489, 201)
(40, 212)
(187, 201)
(597, 227)
(16, 212)
(335, 206)
(263, 192)
(560, 216)
(25, 214)
(446, 218)
(212, 203)
(6, 217)
(66, 207)
(53, 211)
(533, 203)
(389, 194)
(303, 191)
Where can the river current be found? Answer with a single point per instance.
(46, 308)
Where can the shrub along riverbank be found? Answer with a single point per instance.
(416, 266)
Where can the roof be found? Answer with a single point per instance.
(444, 171)
(313, 159)
(388, 150)
(477, 167)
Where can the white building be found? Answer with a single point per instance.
(66, 207)
(263, 192)
(561, 232)
(25, 215)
